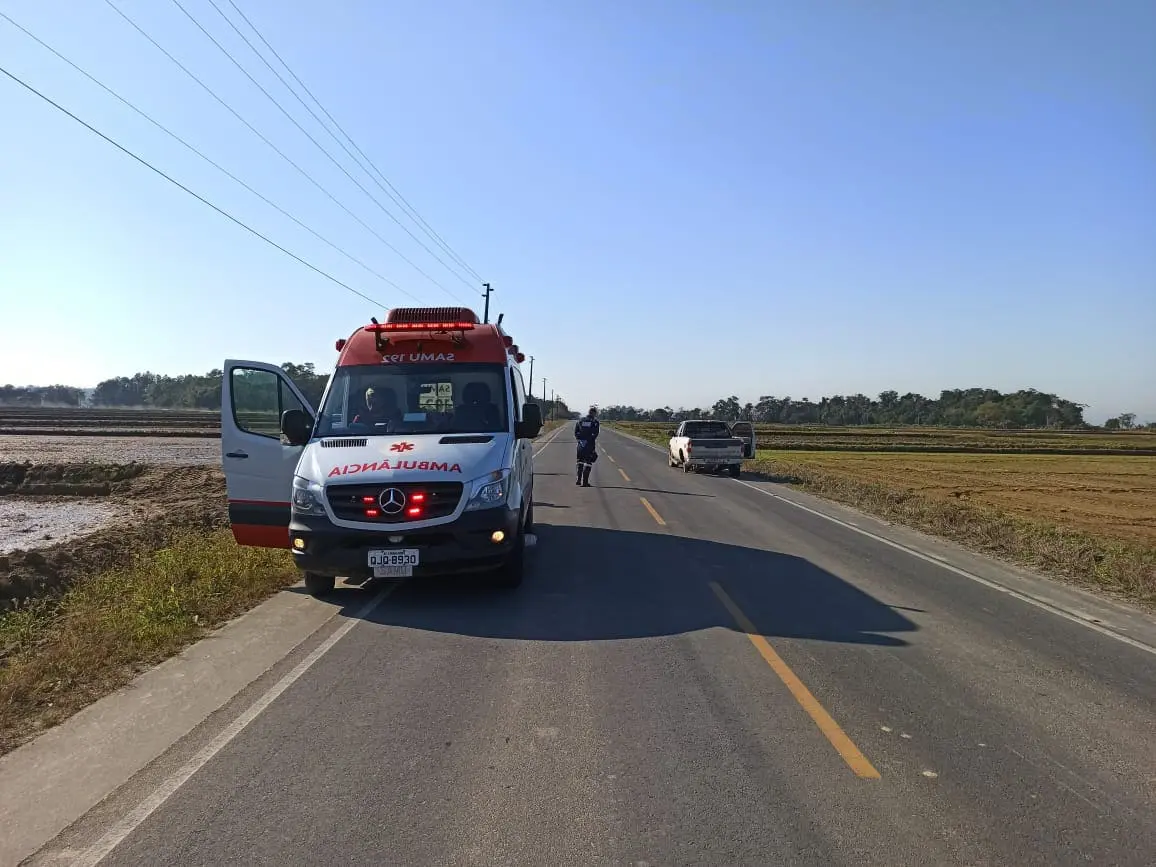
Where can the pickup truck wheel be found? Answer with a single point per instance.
(736, 470)
(670, 461)
(319, 585)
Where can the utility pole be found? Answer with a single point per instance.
(486, 316)
(531, 376)
(552, 405)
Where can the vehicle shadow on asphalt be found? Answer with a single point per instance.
(756, 476)
(591, 584)
(777, 478)
(654, 491)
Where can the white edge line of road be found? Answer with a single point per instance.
(117, 834)
(549, 440)
(935, 561)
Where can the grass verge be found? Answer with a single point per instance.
(1121, 567)
(60, 653)
(1124, 569)
(551, 426)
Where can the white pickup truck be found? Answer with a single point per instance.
(700, 444)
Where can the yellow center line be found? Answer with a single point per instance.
(838, 738)
(624, 474)
(654, 514)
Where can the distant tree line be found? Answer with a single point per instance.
(41, 395)
(190, 391)
(970, 407)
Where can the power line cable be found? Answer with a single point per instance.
(274, 147)
(392, 191)
(203, 156)
(404, 203)
(196, 196)
(316, 143)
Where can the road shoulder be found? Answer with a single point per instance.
(50, 782)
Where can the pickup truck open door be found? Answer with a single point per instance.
(745, 431)
(258, 461)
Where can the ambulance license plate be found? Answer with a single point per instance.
(397, 563)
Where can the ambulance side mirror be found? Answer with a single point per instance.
(296, 426)
(531, 424)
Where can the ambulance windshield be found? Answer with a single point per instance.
(415, 398)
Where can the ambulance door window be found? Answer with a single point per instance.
(259, 399)
(519, 391)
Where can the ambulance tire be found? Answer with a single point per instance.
(319, 585)
(509, 575)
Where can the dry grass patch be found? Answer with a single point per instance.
(1108, 496)
(58, 654)
(1090, 519)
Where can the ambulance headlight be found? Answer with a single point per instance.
(307, 497)
(489, 491)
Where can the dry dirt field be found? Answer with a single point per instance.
(62, 449)
(123, 517)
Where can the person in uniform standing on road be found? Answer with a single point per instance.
(586, 433)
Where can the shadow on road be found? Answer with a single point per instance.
(654, 491)
(587, 584)
(754, 476)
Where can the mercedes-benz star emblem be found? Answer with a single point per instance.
(392, 501)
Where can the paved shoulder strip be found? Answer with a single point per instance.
(120, 831)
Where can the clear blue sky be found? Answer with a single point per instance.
(674, 200)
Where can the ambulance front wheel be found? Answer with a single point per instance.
(510, 574)
(319, 585)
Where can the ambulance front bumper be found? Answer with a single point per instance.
(464, 545)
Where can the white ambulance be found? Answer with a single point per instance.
(418, 462)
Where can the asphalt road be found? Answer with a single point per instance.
(693, 673)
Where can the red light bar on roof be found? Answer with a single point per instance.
(439, 325)
(432, 314)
